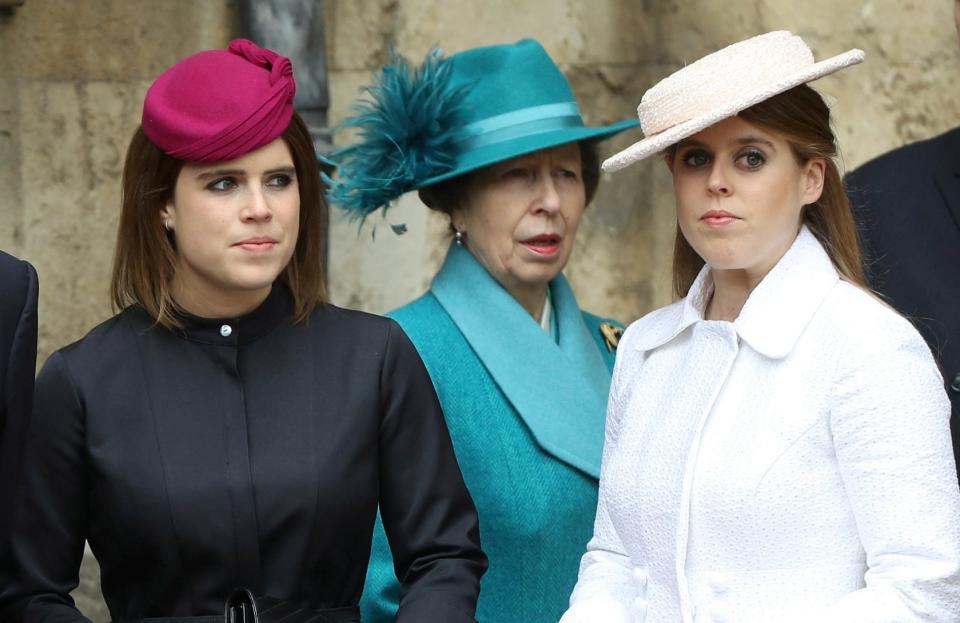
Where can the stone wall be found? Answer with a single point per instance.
(73, 74)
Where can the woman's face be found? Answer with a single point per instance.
(235, 224)
(521, 216)
(740, 194)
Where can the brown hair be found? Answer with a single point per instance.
(145, 259)
(449, 195)
(802, 117)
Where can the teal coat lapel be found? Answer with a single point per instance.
(560, 390)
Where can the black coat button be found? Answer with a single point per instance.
(955, 385)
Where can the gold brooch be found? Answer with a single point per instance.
(611, 335)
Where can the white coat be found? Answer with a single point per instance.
(792, 465)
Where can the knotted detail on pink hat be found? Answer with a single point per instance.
(220, 104)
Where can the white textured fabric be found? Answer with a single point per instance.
(546, 314)
(793, 465)
(722, 84)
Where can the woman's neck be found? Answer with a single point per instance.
(731, 289)
(531, 298)
(214, 303)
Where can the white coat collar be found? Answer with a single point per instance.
(776, 312)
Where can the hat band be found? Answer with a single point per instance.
(519, 123)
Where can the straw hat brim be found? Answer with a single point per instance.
(660, 141)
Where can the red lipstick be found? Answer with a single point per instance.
(543, 244)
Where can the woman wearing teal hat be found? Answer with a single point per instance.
(493, 138)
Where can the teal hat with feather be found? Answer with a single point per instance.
(451, 115)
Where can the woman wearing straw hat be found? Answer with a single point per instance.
(492, 137)
(229, 427)
(777, 443)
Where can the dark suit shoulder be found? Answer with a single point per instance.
(16, 276)
(921, 157)
(13, 270)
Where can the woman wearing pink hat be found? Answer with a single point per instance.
(777, 441)
(230, 428)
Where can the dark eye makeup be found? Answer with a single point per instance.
(222, 184)
(695, 157)
(752, 158)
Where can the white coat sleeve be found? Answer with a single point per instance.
(606, 589)
(890, 419)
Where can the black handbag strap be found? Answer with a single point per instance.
(242, 606)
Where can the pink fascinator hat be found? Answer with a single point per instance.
(722, 84)
(220, 104)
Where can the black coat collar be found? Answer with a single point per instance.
(275, 310)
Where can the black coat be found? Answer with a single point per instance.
(242, 452)
(907, 204)
(18, 362)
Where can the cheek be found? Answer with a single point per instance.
(781, 204)
(499, 235)
(199, 227)
(685, 203)
(493, 230)
(200, 242)
(290, 214)
(573, 210)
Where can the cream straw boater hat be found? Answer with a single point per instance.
(722, 84)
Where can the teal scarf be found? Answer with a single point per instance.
(559, 387)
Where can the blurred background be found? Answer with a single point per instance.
(73, 74)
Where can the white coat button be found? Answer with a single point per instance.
(640, 574)
(226, 330)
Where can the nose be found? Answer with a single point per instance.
(718, 183)
(549, 196)
(257, 206)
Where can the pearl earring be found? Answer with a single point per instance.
(458, 237)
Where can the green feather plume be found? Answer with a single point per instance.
(407, 134)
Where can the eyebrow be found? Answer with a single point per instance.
(214, 173)
(744, 140)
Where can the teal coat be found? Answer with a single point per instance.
(526, 417)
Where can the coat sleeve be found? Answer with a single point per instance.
(428, 516)
(890, 422)
(607, 589)
(46, 537)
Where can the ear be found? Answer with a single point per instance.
(458, 219)
(168, 215)
(811, 180)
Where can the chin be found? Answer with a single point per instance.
(722, 256)
(538, 277)
(256, 279)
